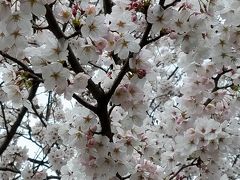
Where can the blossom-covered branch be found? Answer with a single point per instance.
(19, 119)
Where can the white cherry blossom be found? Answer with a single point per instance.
(125, 45)
(36, 7)
(55, 75)
(94, 27)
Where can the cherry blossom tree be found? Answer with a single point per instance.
(154, 88)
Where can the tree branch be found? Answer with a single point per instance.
(144, 41)
(17, 123)
(53, 177)
(122, 178)
(161, 3)
(25, 67)
(193, 163)
(9, 169)
(38, 115)
(96, 91)
(236, 159)
(175, 70)
(216, 80)
(99, 67)
(107, 6)
(84, 103)
(53, 24)
(49, 105)
(171, 4)
(37, 161)
(16, 61)
(118, 80)
(4, 117)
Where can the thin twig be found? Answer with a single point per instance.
(9, 169)
(49, 105)
(171, 4)
(99, 67)
(37, 114)
(53, 177)
(25, 67)
(17, 123)
(236, 159)
(193, 163)
(123, 178)
(107, 6)
(161, 3)
(175, 70)
(77, 33)
(84, 103)
(4, 117)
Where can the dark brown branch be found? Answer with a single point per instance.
(49, 105)
(77, 33)
(84, 103)
(126, 68)
(29, 138)
(37, 161)
(162, 33)
(111, 109)
(104, 118)
(209, 100)
(36, 27)
(161, 3)
(17, 123)
(122, 178)
(216, 80)
(144, 40)
(193, 163)
(53, 24)
(107, 6)
(171, 4)
(53, 177)
(23, 66)
(118, 80)
(96, 91)
(4, 117)
(116, 59)
(9, 169)
(38, 115)
(226, 86)
(77, 68)
(175, 70)
(236, 159)
(99, 67)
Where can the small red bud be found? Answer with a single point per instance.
(141, 73)
(134, 18)
(75, 9)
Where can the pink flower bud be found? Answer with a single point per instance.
(75, 9)
(135, 5)
(134, 18)
(109, 74)
(173, 35)
(141, 73)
